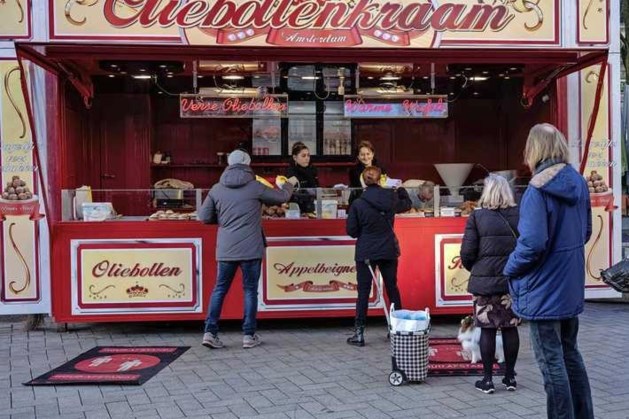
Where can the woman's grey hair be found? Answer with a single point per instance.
(496, 194)
(545, 142)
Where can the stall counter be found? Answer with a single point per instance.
(165, 270)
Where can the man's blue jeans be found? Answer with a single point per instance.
(568, 394)
(250, 277)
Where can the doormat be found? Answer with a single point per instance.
(446, 357)
(104, 365)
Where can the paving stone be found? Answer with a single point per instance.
(101, 413)
(300, 372)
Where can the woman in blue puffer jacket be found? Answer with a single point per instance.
(547, 269)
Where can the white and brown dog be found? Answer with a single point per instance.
(469, 336)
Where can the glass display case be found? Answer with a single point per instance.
(305, 203)
(86, 204)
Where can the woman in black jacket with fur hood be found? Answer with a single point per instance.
(490, 237)
(370, 220)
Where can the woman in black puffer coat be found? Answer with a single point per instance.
(370, 221)
(490, 236)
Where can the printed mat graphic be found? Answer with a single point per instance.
(446, 357)
(112, 365)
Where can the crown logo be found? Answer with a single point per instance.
(137, 291)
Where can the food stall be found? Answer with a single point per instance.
(132, 107)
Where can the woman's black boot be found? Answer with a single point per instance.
(358, 339)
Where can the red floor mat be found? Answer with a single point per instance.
(447, 358)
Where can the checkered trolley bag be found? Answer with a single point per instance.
(409, 357)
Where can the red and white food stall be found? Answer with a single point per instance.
(126, 95)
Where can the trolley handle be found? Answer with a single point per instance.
(378, 285)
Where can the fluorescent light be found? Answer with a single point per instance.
(232, 77)
(309, 77)
(479, 78)
(111, 76)
(237, 92)
(390, 77)
(142, 76)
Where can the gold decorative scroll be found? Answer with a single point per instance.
(175, 292)
(68, 10)
(529, 7)
(593, 22)
(597, 226)
(14, 286)
(14, 19)
(99, 294)
(10, 95)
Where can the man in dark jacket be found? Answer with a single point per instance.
(235, 204)
(547, 269)
(370, 220)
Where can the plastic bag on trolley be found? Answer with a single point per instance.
(408, 320)
(617, 276)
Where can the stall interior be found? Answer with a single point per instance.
(133, 136)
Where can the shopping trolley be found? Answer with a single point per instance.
(409, 347)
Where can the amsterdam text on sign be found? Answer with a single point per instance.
(403, 107)
(310, 23)
(142, 276)
(202, 106)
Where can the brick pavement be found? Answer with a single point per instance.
(303, 370)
